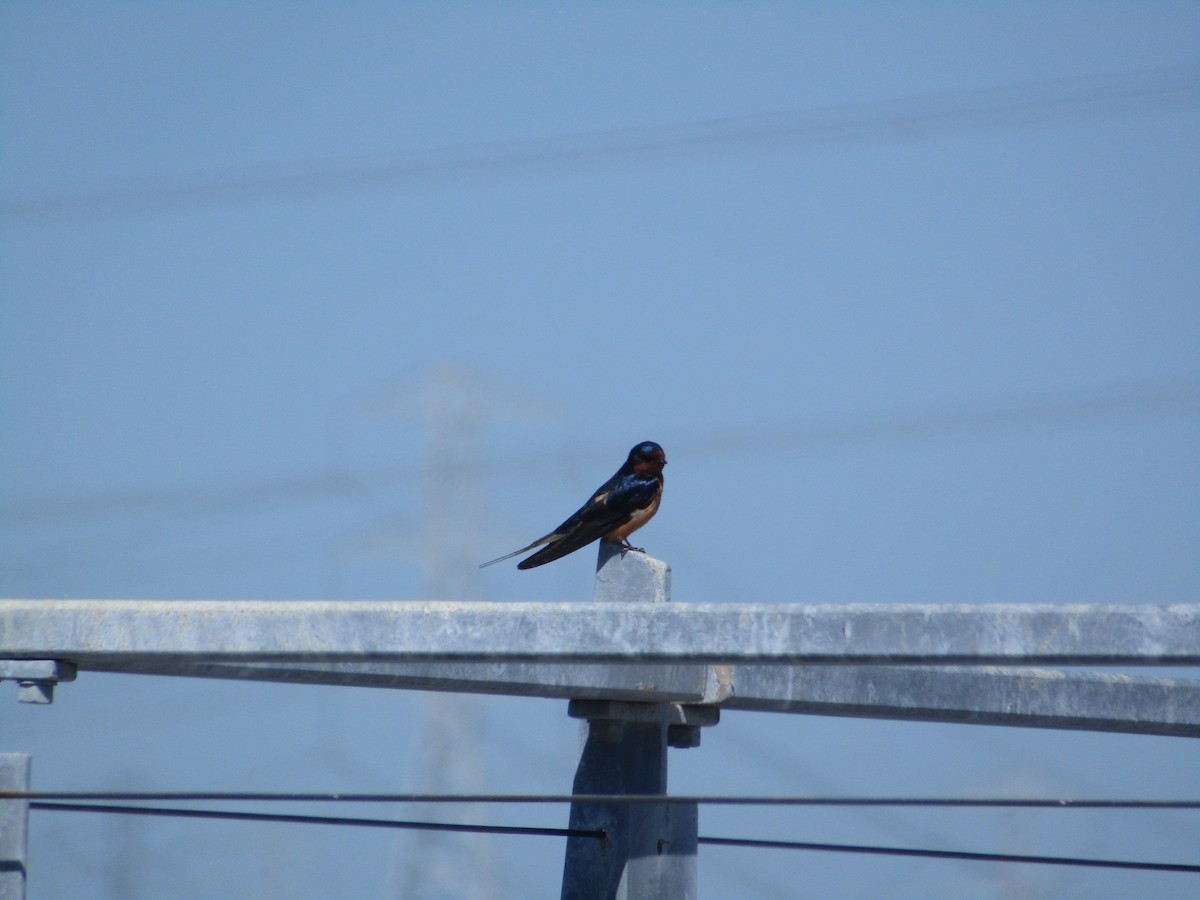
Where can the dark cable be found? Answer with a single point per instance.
(954, 854)
(318, 820)
(600, 834)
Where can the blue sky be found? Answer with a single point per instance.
(909, 294)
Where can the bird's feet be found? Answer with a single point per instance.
(626, 547)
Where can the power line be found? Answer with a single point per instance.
(319, 820)
(981, 414)
(907, 117)
(1030, 409)
(953, 854)
(703, 800)
(600, 834)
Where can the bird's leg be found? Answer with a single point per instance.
(626, 547)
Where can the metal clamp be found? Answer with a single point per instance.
(607, 718)
(36, 678)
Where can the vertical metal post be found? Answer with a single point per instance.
(649, 849)
(14, 826)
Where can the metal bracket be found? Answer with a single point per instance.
(607, 719)
(36, 678)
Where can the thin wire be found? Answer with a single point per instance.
(979, 414)
(597, 833)
(954, 854)
(702, 800)
(899, 118)
(601, 834)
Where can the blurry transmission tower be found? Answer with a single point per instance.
(454, 404)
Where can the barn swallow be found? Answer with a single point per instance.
(620, 506)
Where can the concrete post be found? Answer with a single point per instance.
(14, 826)
(649, 849)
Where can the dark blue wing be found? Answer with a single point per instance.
(609, 508)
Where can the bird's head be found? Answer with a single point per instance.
(647, 458)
